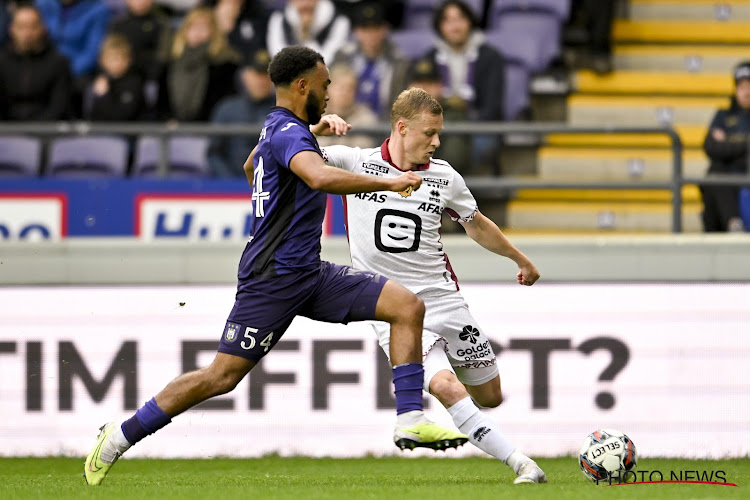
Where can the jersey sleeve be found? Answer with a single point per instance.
(461, 205)
(342, 157)
(291, 139)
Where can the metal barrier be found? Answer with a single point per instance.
(518, 133)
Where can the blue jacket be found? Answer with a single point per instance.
(77, 30)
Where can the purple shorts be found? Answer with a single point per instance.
(263, 311)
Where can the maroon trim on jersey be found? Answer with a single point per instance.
(447, 261)
(387, 157)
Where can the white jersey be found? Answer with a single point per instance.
(398, 234)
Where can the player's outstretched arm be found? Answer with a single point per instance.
(330, 125)
(311, 168)
(486, 233)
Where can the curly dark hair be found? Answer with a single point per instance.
(291, 62)
(466, 11)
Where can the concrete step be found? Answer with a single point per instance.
(642, 111)
(654, 83)
(692, 137)
(689, 58)
(732, 10)
(607, 164)
(680, 31)
(592, 216)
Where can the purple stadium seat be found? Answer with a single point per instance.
(560, 8)
(516, 97)
(507, 43)
(20, 156)
(413, 43)
(101, 156)
(187, 157)
(533, 37)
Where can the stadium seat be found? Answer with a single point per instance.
(187, 157)
(413, 43)
(97, 156)
(516, 89)
(532, 37)
(20, 156)
(523, 52)
(560, 8)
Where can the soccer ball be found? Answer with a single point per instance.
(607, 453)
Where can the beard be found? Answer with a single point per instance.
(312, 107)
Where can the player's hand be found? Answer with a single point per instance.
(408, 181)
(331, 125)
(528, 274)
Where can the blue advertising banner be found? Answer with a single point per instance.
(195, 209)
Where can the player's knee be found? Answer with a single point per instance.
(413, 308)
(447, 389)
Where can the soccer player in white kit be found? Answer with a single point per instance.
(398, 236)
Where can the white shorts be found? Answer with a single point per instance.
(452, 340)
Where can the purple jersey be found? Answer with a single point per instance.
(288, 222)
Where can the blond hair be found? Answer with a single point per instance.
(411, 103)
(118, 43)
(218, 45)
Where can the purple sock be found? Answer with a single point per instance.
(408, 380)
(149, 419)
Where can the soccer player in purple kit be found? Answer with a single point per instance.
(281, 275)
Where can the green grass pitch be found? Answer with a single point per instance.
(310, 478)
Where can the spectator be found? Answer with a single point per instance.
(472, 71)
(726, 146)
(597, 16)
(116, 94)
(342, 101)
(453, 148)
(394, 9)
(178, 8)
(244, 22)
(148, 30)
(227, 154)
(381, 68)
(201, 70)
(36, 81)
(78, 28)
(312, 23)
(4, 22)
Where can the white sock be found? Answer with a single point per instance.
(116, 444)
(484, 434)
(120, 440)
(409, 418)
(516, 459)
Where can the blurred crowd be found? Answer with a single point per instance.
(206, 61)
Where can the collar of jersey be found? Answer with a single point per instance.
(289, 112)
(387, 157)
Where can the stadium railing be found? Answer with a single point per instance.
(513, 132)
